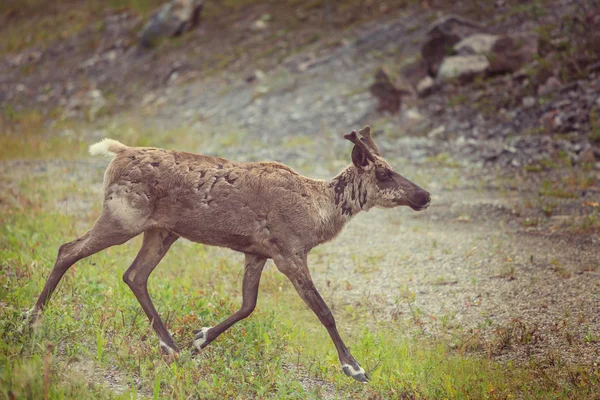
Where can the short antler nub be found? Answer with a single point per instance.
(351, 137)
(360, 143)
(366, 137)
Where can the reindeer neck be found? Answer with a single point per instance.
(349, 192)
(345, 196)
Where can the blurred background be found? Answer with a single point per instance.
(493, 106)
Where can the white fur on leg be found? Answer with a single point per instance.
(353, 370)
(200, 338)
(165, 347)
(27, 314)
(31, 319)
(355, 373)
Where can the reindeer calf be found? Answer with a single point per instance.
(262, 209)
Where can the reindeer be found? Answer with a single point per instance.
(262, 209)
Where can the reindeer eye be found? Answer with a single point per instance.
(382, 174)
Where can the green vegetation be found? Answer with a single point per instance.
(94, 327)
(94, 341)
(42, 22)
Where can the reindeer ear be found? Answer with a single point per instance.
(359, 158)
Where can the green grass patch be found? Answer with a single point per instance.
(94, 327)
(38, 23)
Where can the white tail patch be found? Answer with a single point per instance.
(107, 148)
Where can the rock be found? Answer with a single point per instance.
(262, 23)
(442, 36)
(437, 132)
(390, 97)
(172, 19)
(111, 56)
(425, 86)
(416, 75)
(259, 25)
(529, 102)
(453, 24)
(479, 43)
(87, 104)
(256, 75)
(96, 103)
(412, 115)
(551, 121)
(588, 156)
(511, 53)
(462, 66)
(434, 51)
(148, 98)
(552, 84)
(414, 72)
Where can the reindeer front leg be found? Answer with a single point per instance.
(252, 272)
(296, 269)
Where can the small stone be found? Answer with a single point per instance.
(256, 75)
(412, 114)
(148, 99)
(437, 132)
(551, 84)
(587, 156)
(259, 25)
(551, 121)
(425, 86)
(529, 102)
(111, 56)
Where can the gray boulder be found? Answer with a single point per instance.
(462, 66)
(171, 19)
(511, 53)
(441, 38)
(479, 43)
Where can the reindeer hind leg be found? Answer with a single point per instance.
(106, 232)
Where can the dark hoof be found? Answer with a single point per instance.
(356, 373)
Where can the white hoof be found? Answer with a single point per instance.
(200, 338)
(356, 373)
(166, 349)
(31, 319)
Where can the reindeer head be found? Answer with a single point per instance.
(385, 187)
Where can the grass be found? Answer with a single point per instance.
(94, 328)
(45, 22)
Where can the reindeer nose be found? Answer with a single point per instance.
(423, 197)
